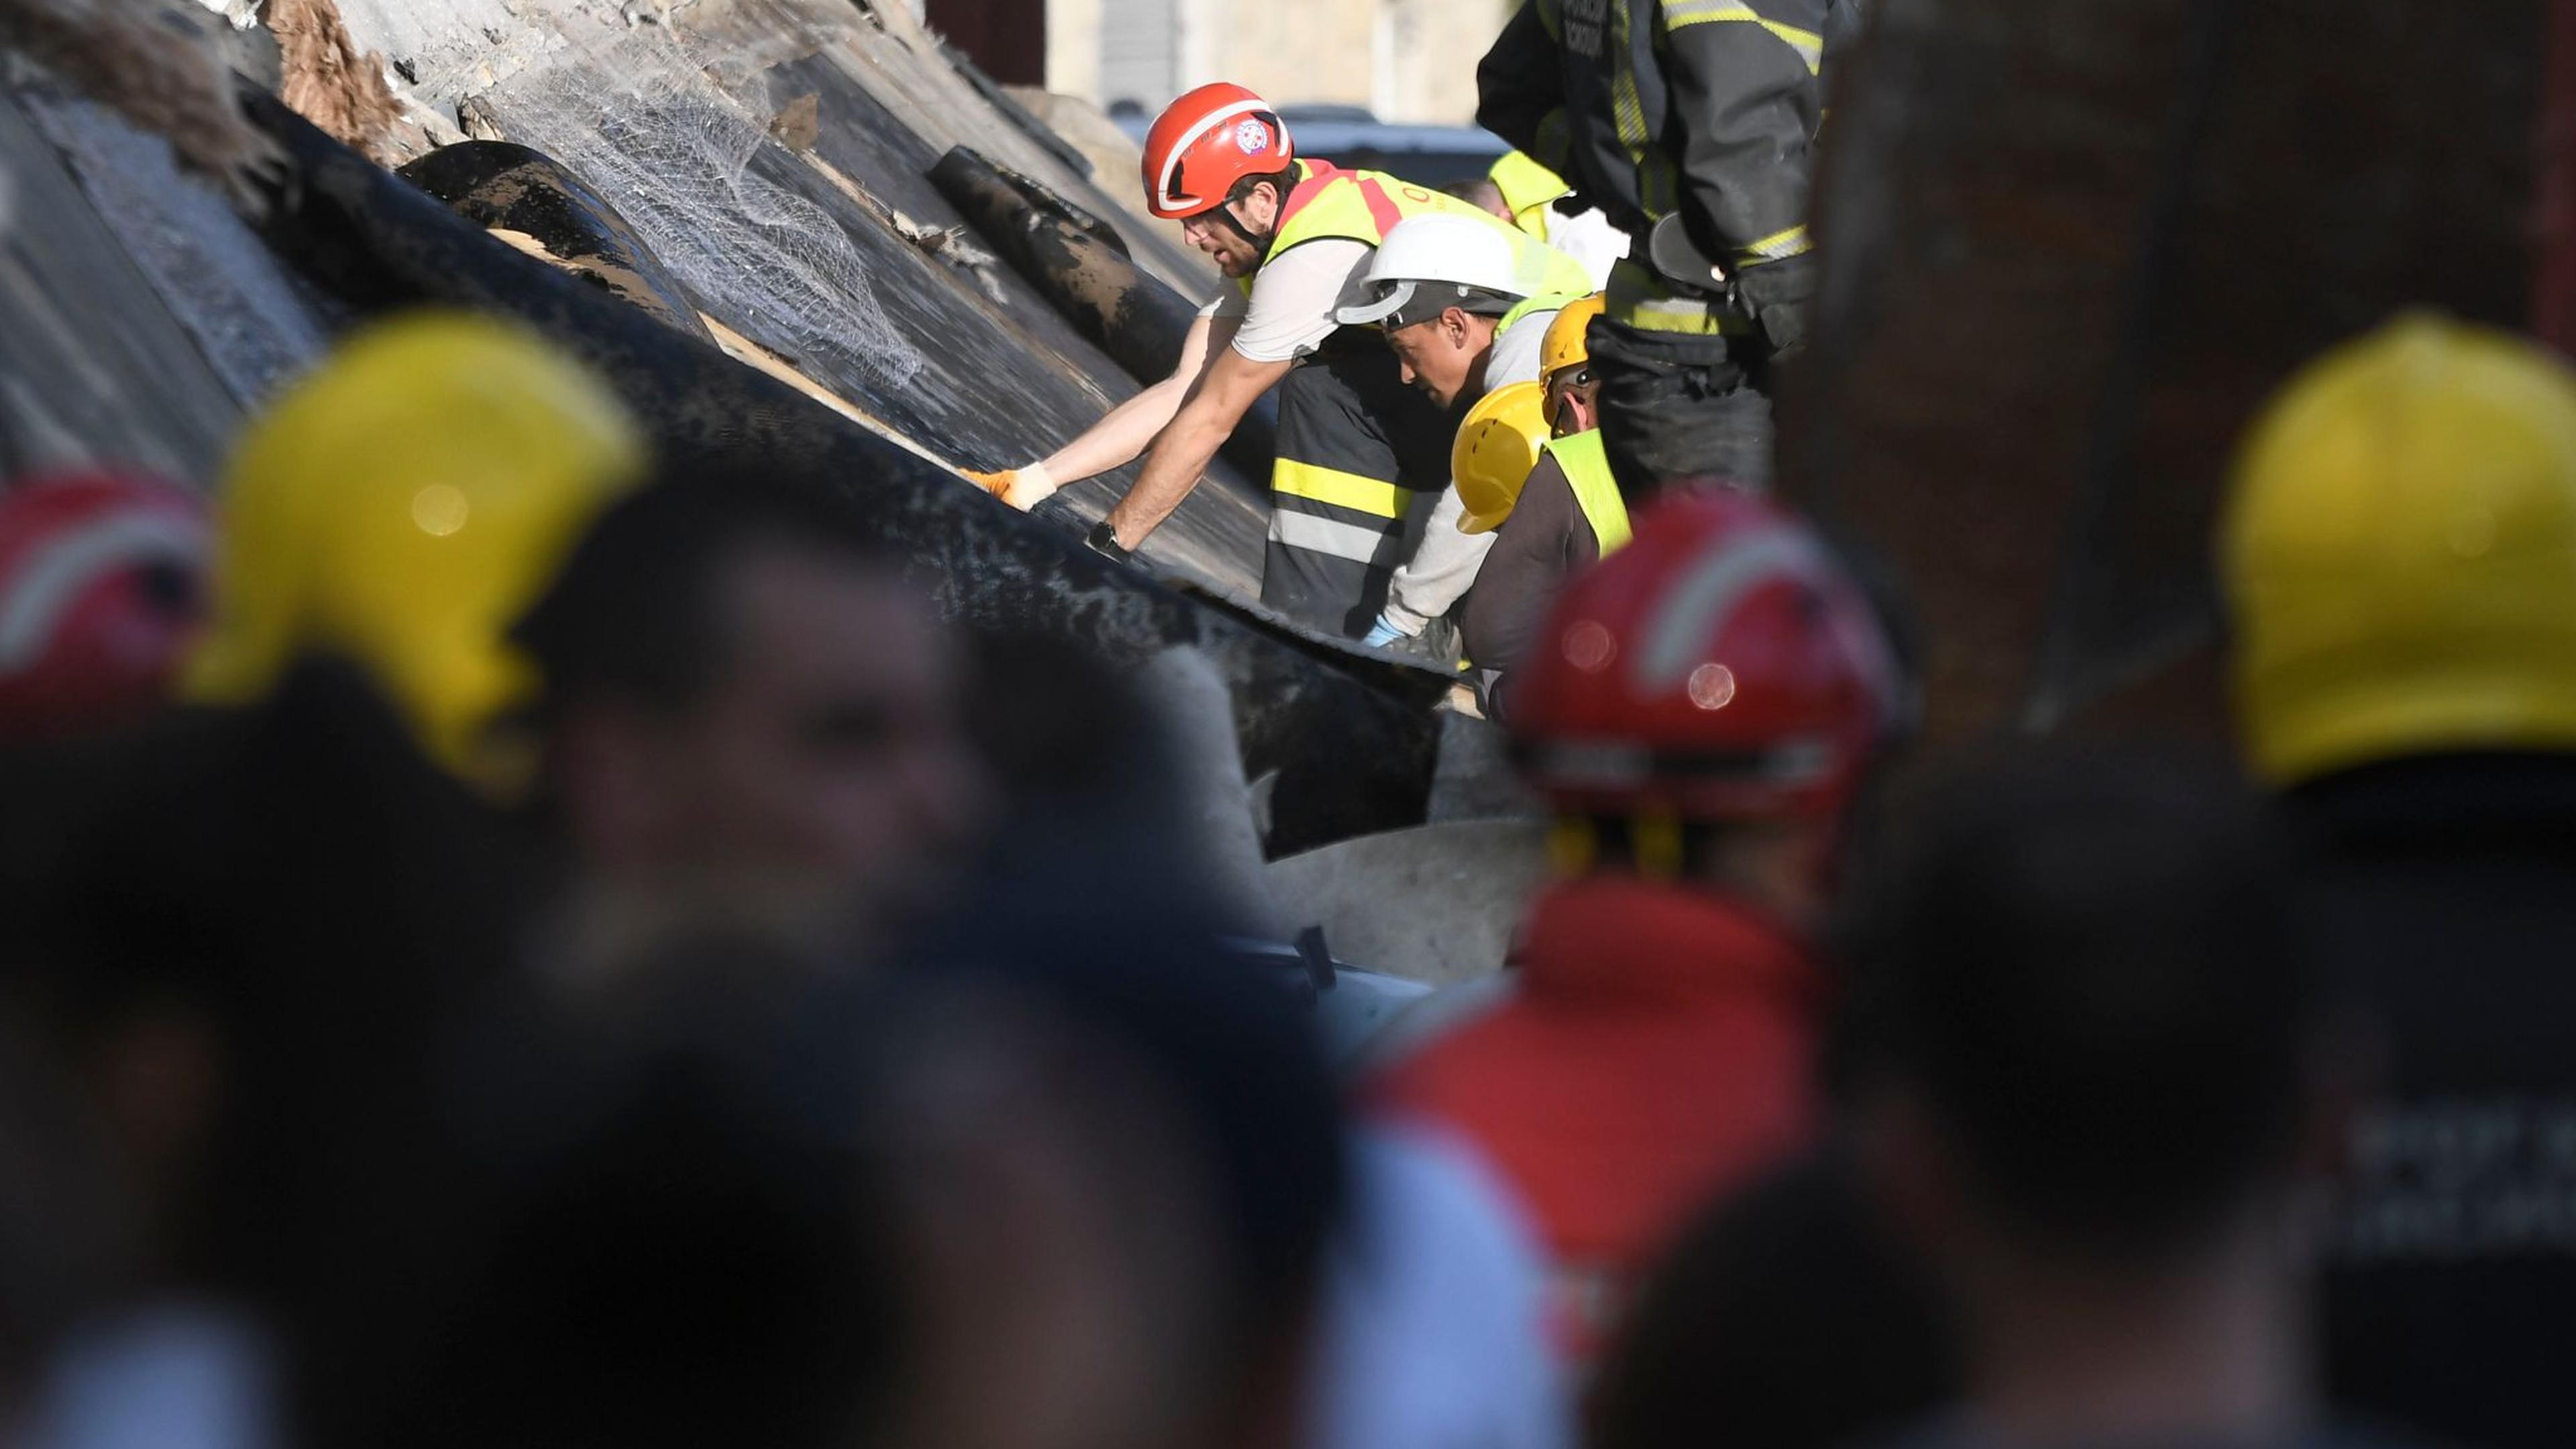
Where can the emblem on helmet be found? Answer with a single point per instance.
(1251, 137)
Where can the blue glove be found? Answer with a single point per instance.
(1384, 634)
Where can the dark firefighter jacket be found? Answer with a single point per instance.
(1708, 108)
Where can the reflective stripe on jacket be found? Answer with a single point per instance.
(1708, 108)
(1363, 206)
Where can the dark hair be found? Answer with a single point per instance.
(1234, 1050)
(1477, 191)
(1284, 180)
(2086, 966)
(1788, 1316)
(636, 612)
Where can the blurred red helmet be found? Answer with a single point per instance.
(102, 587)
(1205, 142)
(1721, 666)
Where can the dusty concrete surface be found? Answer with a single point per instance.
(93, 367)
(1437, 903)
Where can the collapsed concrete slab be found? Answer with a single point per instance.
(1353, 738)
(757, 169)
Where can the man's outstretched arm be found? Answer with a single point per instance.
(1123, 432)
(1223, 394)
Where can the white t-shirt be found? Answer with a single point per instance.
(1294, 296)
(1444, 565)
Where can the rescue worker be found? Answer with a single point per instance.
(399, 509)
(1702, 706)
(1692, 125)
(1560, 517)
(1359, 452)
(1464, 307)
(2399, 559)
(103, 589)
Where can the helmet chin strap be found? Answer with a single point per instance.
(1259, 242)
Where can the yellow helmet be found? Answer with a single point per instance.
(1562, 345)
(1496, 448)
(2399, 553)
(401, 507)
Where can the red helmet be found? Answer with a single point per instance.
(1205, 142)
(102, 586)
(1721, 666)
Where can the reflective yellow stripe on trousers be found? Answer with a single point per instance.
(1372, 543)
(1372, 496)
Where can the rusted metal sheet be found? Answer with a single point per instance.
(2070, 248)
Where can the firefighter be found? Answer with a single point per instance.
(1559, 517)
(103, 581)
(1359, 452)
(399, 509)
(1466, 309)
(2399, 558)
(1697, 712)
(1692, 124)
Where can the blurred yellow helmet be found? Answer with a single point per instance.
(2399, 553)
(401, 507)
(1562, 345)
(1496, 448)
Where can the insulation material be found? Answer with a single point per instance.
(156, 63)
(328, 81)
(646, 129)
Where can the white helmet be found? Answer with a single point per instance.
(1425, 260)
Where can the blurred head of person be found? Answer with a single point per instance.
(1121, 1157)
(2396, 552)
(400, 507)
(1482, 193)
(666, 1238)
(1702, 705)
(1565, 368)
(2091, 1069)
(1789, 1315)
(1066, 1201)
(103, 582)
(750, 719)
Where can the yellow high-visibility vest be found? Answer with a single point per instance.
(1587, 467)
(1363, 206)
